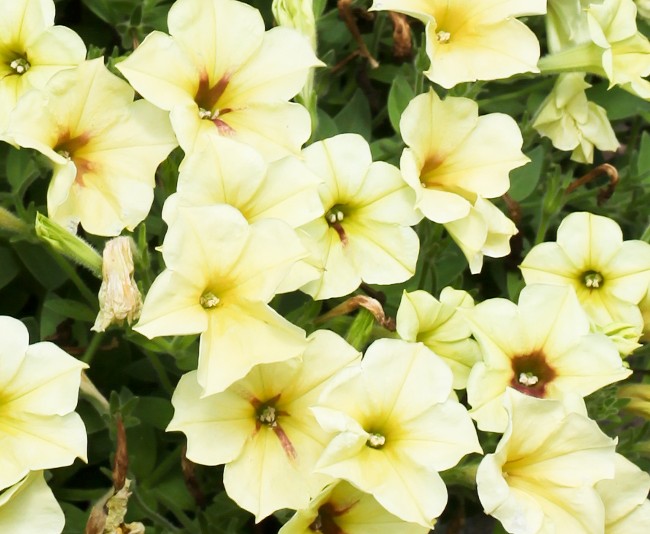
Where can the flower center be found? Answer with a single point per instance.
(592, 279)
(334, 218)
(376, 441)
(531, 374)
(209, 300)
(20, 65)
(267, 416)
(335, 215)
(443, 37)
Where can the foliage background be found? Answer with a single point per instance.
(57, 301)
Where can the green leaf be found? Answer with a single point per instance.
(643, 163)
(399, 96)
(40, 264)
(524, 180)
(619, 103)
(8, 267)
(355, 116)
(21, 170)
(155, 411)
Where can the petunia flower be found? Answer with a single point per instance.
(615, 49)
(572, 122)
(220, 73)
(541, 347)
(469, 40)
(221, 273)
(261, 427)
(341, 507)
(104, 147)
(364, 234)
(627, 509)
(224, 171)
(39, 385)
(395, 427)
(438, 325)
(541, 477)
(449, 167)
(610, 276)
(32, 49)
(29, 506)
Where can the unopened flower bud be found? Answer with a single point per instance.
(639, 395)
(119, 297)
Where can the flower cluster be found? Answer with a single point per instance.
(271, 230)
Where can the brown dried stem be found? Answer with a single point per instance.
(345, 12)
(356, 302)
(606, 192)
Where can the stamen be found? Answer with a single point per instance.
(267, 417)
(205, 114)
(209, 300)
(443, 36)
(376, 441)
(20, 65)
(593, 280)
(528, 379)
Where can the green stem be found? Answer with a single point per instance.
(10, 223)
(586, 57)
(543, 227)
(160, 371)
(94, 344)
(86, 293)
(155, 516)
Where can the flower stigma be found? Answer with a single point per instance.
(592, 279)
(376, 441)
(20, 65)
(209, 300)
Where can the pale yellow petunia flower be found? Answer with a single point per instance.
(104, 147)
(610, 276)
(341, 507)
(220, 73)
(262, 428)
(542, 347)
(469, 40)
(541, 477)
(221, 273)
(32, 49)
(39, 386)
(395, 427)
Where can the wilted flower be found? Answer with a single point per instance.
(219, 73)
(29, 506)
(469, 40)
(221, 273)
(32, 49)
(541, 476)
(395, 427)
(365, 234)
(439, 326)
(572, 122)
(104, 146)
(119, 296)
(542, 347)
(262, 428)
(627, 509)
(342, 508)
(610, 276)
(615, 49)
(39, 385)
